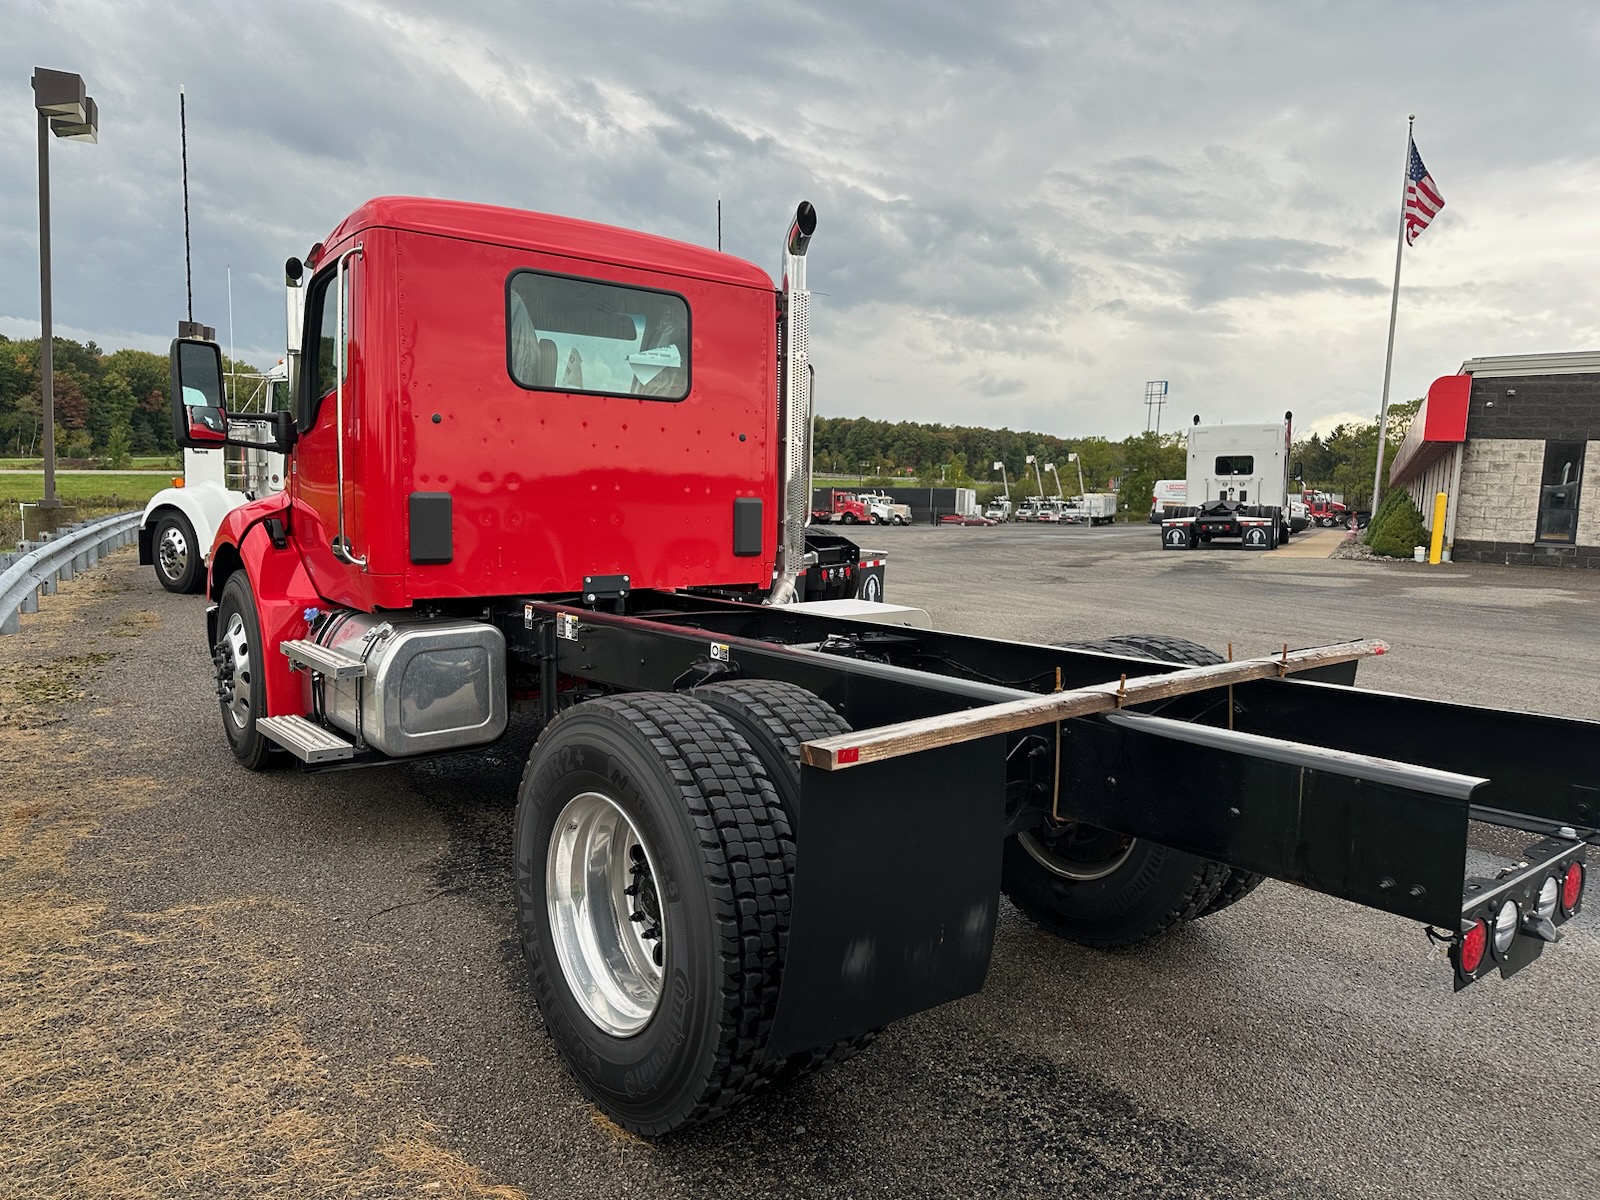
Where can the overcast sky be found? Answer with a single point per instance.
(1027, 210)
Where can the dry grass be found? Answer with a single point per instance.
(158, 1054)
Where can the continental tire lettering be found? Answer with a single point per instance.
(644, 1076)
(582, 1059)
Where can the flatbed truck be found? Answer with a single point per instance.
(756, 828)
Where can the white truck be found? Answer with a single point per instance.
(180, 522)
(1092, 508)
(883, 510)
(1165, 496)
(1238, 487)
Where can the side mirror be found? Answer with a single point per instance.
(199, 417)
(284, 432)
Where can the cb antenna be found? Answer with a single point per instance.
(188, 270)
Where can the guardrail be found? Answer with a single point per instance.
(37, 567)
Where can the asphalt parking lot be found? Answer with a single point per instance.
(218, 983)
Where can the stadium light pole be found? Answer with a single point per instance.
(65, 111)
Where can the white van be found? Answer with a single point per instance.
(1168, 494)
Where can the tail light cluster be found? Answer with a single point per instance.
(1506, 921)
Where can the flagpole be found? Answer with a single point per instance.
(1394, 307)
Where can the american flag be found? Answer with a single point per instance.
(1423, 200)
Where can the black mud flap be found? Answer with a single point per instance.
(897, 885)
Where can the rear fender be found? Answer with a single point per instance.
(282, 591)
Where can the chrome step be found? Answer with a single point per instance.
(306, 740)
(330, 664)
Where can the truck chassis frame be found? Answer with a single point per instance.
(961, 741)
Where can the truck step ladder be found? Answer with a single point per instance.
(306, 740)
(330, 664)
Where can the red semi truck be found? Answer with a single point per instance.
(760, 823)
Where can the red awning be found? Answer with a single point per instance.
(1440, 424)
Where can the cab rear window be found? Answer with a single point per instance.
(565, 334)
(1236, 464)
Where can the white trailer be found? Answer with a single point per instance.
(180, 522)
(1237, 485)
(1093, 508)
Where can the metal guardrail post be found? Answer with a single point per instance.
(37, 567)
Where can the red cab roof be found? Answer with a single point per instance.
(549, 234)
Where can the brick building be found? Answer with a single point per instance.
(1507, 439)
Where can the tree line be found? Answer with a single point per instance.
(964, 456)
(108, 406)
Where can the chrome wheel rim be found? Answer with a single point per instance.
(173, 552)
(234, 672)
(605, 914)
(1079, 852)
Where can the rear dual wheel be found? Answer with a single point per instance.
(654, 861)
(776, 719)
(1102, 888)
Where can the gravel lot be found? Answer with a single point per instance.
(216, 983)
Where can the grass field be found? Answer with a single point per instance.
(72, 489)
(96, 495)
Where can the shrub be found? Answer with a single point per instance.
(1397, 526)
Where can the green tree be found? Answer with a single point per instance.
(1147, 457)
(1396, 527)
(119, 449)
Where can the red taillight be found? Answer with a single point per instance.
(1571, 888)
(1474, 942)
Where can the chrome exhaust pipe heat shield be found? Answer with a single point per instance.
(794, 408)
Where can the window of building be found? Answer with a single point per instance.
(578, 335)
(1236, 464)
(1558, 492)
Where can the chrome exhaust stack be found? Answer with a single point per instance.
(794, 408)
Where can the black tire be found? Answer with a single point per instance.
(775, 718)
(722, 861)
(179, 560)
(1215, 885)
(1150, 890)
(239, 658)
(848, 518)
(1159, 646)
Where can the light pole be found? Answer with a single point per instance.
(67, 112)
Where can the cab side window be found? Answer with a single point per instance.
(319, 371)
(582, 335)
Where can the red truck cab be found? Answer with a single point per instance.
(530, 401)
(496, 403)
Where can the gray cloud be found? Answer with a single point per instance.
(1037, 206)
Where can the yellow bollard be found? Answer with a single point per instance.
(1440, 500)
